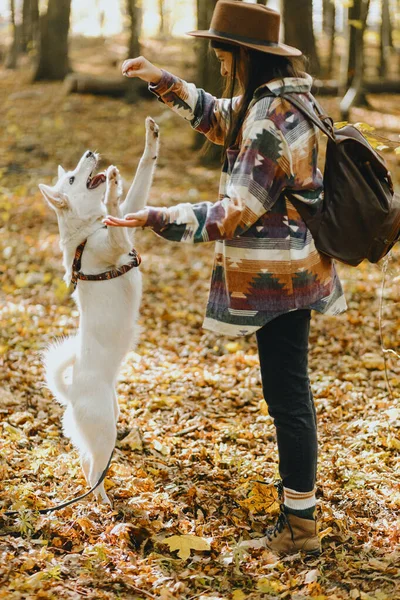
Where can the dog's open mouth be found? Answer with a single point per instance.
(94, 181)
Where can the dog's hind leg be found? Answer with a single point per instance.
(137, 196)
(85, 464)
(95, 432)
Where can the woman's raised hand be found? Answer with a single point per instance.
(142, 68)
(138, 219)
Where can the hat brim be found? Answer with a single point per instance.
(279, 49)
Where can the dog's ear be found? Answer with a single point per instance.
(57, 200)
(61, 171)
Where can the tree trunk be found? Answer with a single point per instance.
(134, 8)
(208, 76)
(329, 27)
(53, 62)
(385, 38)
(301, 34)
(135, 16)
(326, 16)
(355, 95)
(12, 54)
(358, 14)
(164, 29)
(261, 2)
(30, 24)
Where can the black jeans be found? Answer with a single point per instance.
(283, 350)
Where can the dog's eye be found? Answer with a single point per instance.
(71, 180)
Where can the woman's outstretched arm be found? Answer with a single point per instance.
(260, 173)
(206, 114)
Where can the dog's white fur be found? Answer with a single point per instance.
(108, 309)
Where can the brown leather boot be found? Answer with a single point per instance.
(293, 534)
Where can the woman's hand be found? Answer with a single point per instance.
(138, 219)
(142, 68)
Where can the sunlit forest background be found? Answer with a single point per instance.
(192, 478)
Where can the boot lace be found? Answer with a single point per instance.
(280, 524)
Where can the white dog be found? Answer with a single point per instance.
(108, 309)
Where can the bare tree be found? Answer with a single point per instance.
(135, 14)
(164, 29)
(301, 34)
(329, 27)
(134, 8)
(30, 24)
(12, 54)
(208, 76)
(355, 95)
(386, 41)
(53, 62)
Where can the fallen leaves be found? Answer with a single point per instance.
(195, 436)
(185, 543)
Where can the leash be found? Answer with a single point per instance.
(110, 274)
(44, 511)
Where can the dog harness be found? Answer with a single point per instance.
(111, 274)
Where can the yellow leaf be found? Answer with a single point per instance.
(22, 280)
(364, 127)
(325, 532)
(262, 498)
(162, 448)
(397, 150)
(47, 277)
(60, 289)
(232, 347)
(340, 124)
(270, 586)
(85, 524)
(355, 23)
(238, 595)
(185, 543)
(263, 408)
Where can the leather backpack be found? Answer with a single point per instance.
(359, 215)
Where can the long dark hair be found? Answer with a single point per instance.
(250, 69)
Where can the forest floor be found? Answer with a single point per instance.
(194, 435)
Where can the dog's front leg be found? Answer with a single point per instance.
(117, 236)
(136, 198)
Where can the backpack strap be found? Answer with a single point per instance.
(322, 121)
(319, 118)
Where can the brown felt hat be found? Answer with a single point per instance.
(251, 25)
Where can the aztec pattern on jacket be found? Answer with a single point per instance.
(266, 263)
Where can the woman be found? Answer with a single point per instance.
(267, 273)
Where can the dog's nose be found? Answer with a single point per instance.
(89, 154)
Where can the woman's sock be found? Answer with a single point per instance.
(301, 504)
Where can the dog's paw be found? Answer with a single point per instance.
(152, 131)
(114, 184)
(113, 175)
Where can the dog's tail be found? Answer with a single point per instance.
(56, 359)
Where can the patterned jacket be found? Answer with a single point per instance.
(266, 263)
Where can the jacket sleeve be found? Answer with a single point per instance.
(206, 114)
(260, 172)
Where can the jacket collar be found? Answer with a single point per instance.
(287, 85)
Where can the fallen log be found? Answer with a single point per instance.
(116, 87)
(332, 87)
